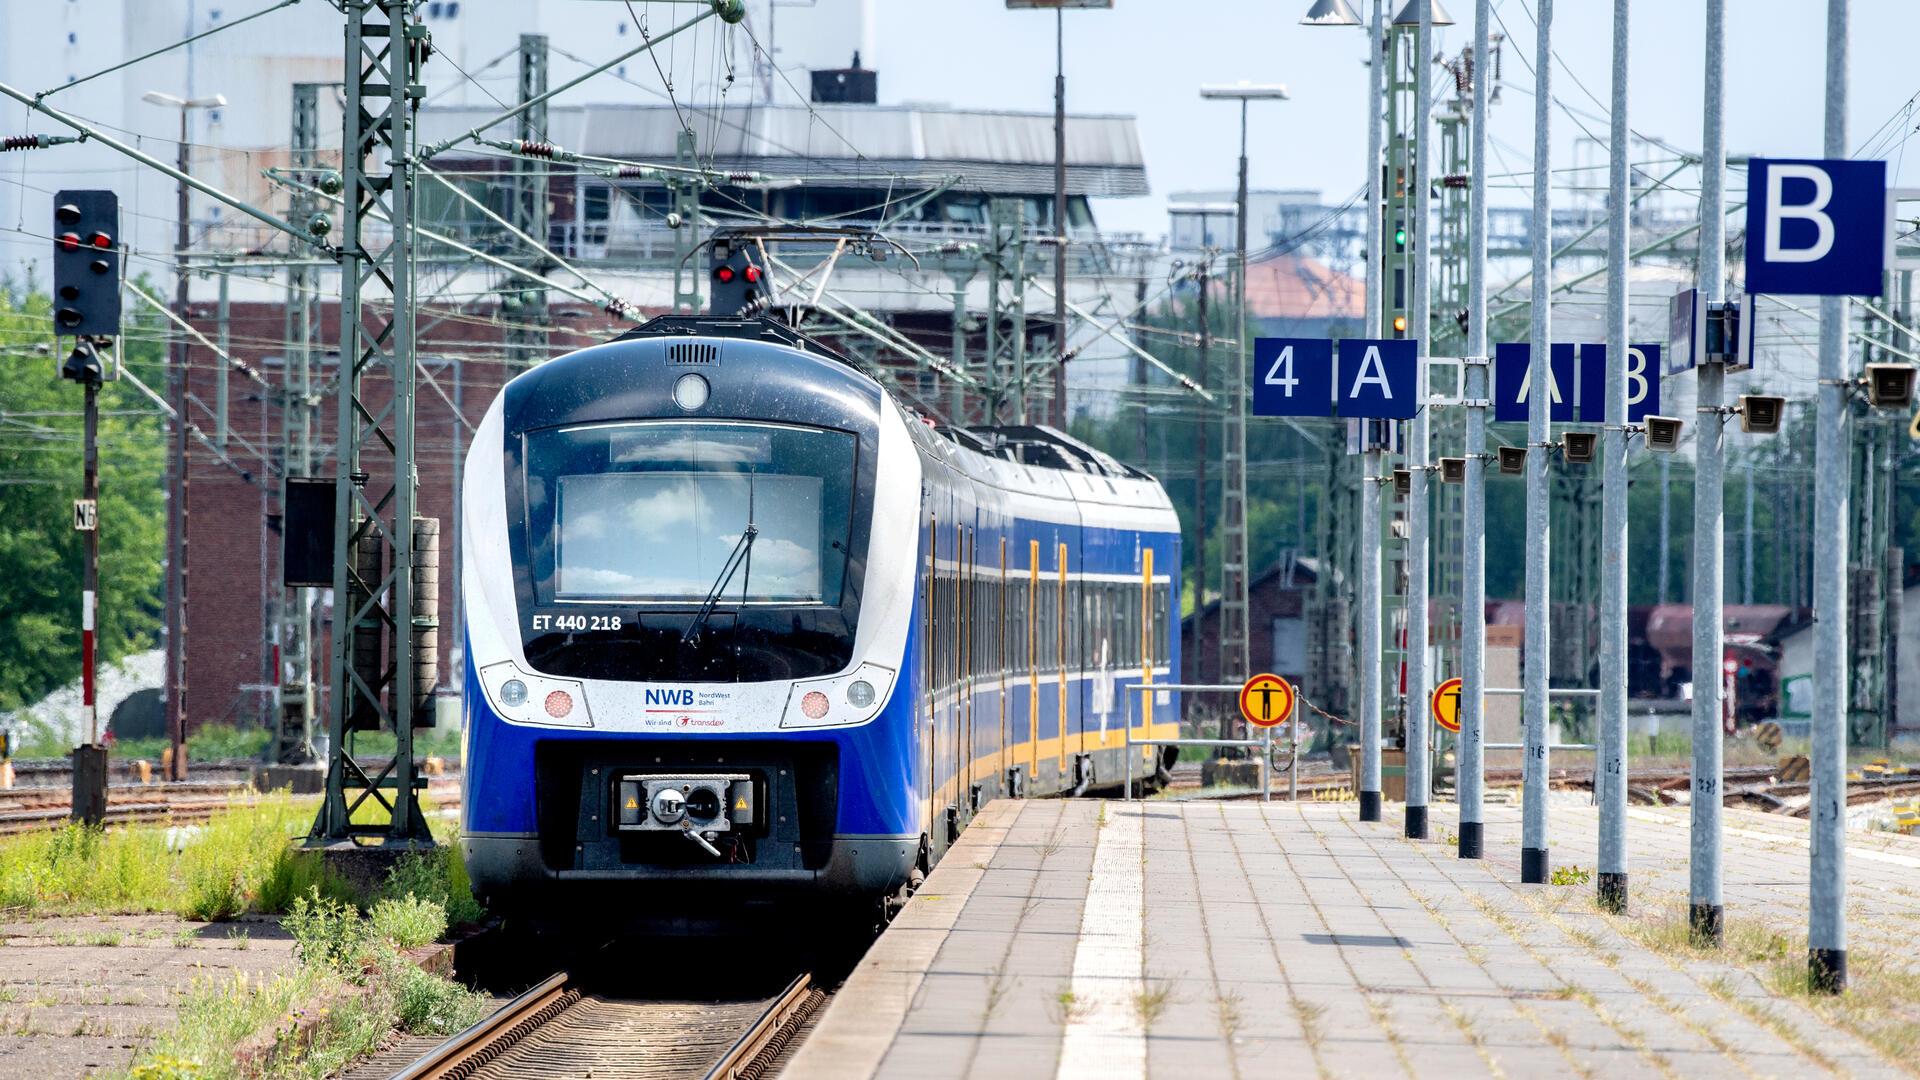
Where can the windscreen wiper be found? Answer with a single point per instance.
(735, 560)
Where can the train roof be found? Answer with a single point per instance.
(1025, 444)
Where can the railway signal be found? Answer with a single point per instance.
(86, 264)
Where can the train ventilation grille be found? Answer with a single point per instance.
(693, 353)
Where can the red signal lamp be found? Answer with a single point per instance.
(102, 241)
(724, 274)
(752, 273)
(69, 241)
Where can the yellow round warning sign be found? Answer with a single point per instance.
(1446, 705)
(1266, 700)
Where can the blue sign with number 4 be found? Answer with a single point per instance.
(1292, 377)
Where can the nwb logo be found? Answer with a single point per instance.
(669, 697)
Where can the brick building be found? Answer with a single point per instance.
(1277, 627)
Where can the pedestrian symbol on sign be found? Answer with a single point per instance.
(1266, 700)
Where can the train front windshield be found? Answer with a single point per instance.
(657, 513)
(655, 518)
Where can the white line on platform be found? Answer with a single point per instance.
(1104, 1038)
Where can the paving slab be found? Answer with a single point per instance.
(79, 995)
(1186, 940)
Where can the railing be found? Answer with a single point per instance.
(1264, 744)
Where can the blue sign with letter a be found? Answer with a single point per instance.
(1378, 378)
(1816, 228)
(1292, 377)
(1512, 367)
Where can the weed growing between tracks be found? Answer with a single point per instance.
(242, 859)
(352, 987)
(238, 859)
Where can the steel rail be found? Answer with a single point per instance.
(751, 1054)
(484, 1040)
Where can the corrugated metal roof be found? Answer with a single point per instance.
(1001, 152)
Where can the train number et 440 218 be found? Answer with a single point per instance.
(576, 623)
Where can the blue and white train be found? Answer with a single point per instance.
(739, 624)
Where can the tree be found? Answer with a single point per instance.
(40, 475)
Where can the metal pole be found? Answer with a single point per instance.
(1200, 464)
(1266, 764)
(1293, 763)
(176, 675)
(1234, 658)
(1666, 527)
(1059, 409)
(90, 583)
(1369, 792)
(1827, 927)
(1370, 603)
(1469, 761)
(1533, 823)
(1746, 557)
(1705, 911)
(1421, 266)
(220, 389)
(1611, 776)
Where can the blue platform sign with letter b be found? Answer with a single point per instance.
(1816, 228)
(1292, 377)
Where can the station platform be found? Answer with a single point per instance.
(1074, 938)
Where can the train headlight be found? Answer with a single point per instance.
(513, 693)
(690, 391)
(811, 704)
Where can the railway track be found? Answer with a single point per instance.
(561, 1028)
(26, 809)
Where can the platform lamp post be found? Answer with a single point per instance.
(176, 658)
(1234, 660)
(1340, 13)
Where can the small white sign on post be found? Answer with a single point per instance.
(85, 515)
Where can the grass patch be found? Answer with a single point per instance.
(242, 859)
(350, 988)
(1065, 1008)
(1152, 1001)
(1569, 875)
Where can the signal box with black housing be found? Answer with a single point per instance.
(739, 284)
(86, 264)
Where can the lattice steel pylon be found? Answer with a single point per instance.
(526, 306)
(374, 596)
(293, 624)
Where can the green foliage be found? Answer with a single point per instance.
(218, 870)
(209, 742)
(328, 933)
(40, 471)
(409, 922)
(294, 873)
(439, 876)
(429, 1005)
(1569, 875)
(352, 987)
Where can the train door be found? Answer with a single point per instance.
(1000, 657)
(1064, 618)
(963, 726)
(930, 628)
(1033, 659)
